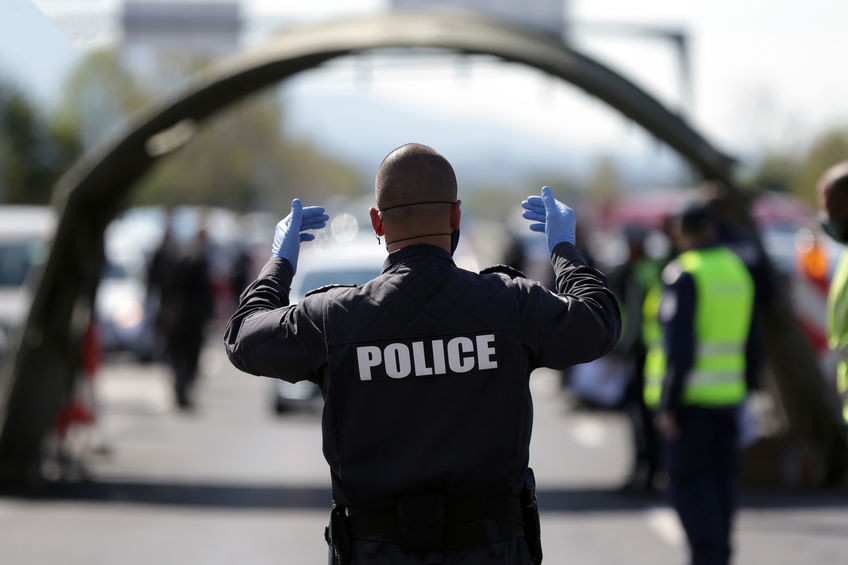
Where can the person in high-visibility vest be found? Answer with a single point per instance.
(631, 282)
(833, 199)
(697, 330)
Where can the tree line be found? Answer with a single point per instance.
(241, 158)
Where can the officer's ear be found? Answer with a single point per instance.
(455, 215)
(376, 221)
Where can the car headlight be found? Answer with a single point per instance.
(129, 314)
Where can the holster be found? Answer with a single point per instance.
(530, 513)
(422, 521)
(337, 535)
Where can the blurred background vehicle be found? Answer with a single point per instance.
(123, 320)
(25, 232)
(125, 310)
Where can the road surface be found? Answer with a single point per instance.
(233, 483)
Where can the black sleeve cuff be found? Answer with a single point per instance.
(279, 269)
(567, 251)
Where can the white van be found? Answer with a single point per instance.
(25, 235)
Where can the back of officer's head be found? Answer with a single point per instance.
(414, 173)
(635, 236)
(833, 191)
(724, 204)
(697, 225)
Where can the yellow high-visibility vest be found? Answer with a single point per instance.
(837, 327)
(646, 272)
(724, 295)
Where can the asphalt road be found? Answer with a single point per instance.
(233, 483)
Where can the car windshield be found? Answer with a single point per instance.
(113, 271)
(317, 279)
(16, 260)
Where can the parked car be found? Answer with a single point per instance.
(355, 262)
(25, 233)
(123, 321)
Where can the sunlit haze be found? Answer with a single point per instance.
(761, 74)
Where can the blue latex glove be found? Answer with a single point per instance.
(554, 218)
(289, 232)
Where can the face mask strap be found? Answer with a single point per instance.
(414, 237)
(379, 229)
(419, 204)
(414, 204)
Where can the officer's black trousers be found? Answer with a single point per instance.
(703, 471)
(508, 552)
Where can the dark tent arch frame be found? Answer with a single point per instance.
(92, 193)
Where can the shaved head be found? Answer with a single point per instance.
(833, 201)
(833, 189)
(414, 173)
(416, 198)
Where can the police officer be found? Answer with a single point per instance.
(698, 334)
(833, 199)
(424, 371)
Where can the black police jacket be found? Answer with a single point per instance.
(425, 369)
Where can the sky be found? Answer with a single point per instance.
(765, 74)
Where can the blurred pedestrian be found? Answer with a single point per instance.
(425, 370)
(160, 272)
(833, 200)
(631, 281)
(727, 208)
(698, 333)
(671, 231)
(241, 271)
(190, 307)
(515, 255)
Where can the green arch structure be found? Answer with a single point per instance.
(96, 189)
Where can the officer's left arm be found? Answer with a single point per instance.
(579, 323)
(267, 337)
(677, 315)
(582, 321)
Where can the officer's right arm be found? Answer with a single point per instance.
(578, 324)
(267, 337)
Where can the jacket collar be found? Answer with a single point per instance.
(411, 251)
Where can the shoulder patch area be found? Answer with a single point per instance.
(672, 272)
(511, 272)
(327, 287)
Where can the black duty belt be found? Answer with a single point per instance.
(430, 522)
